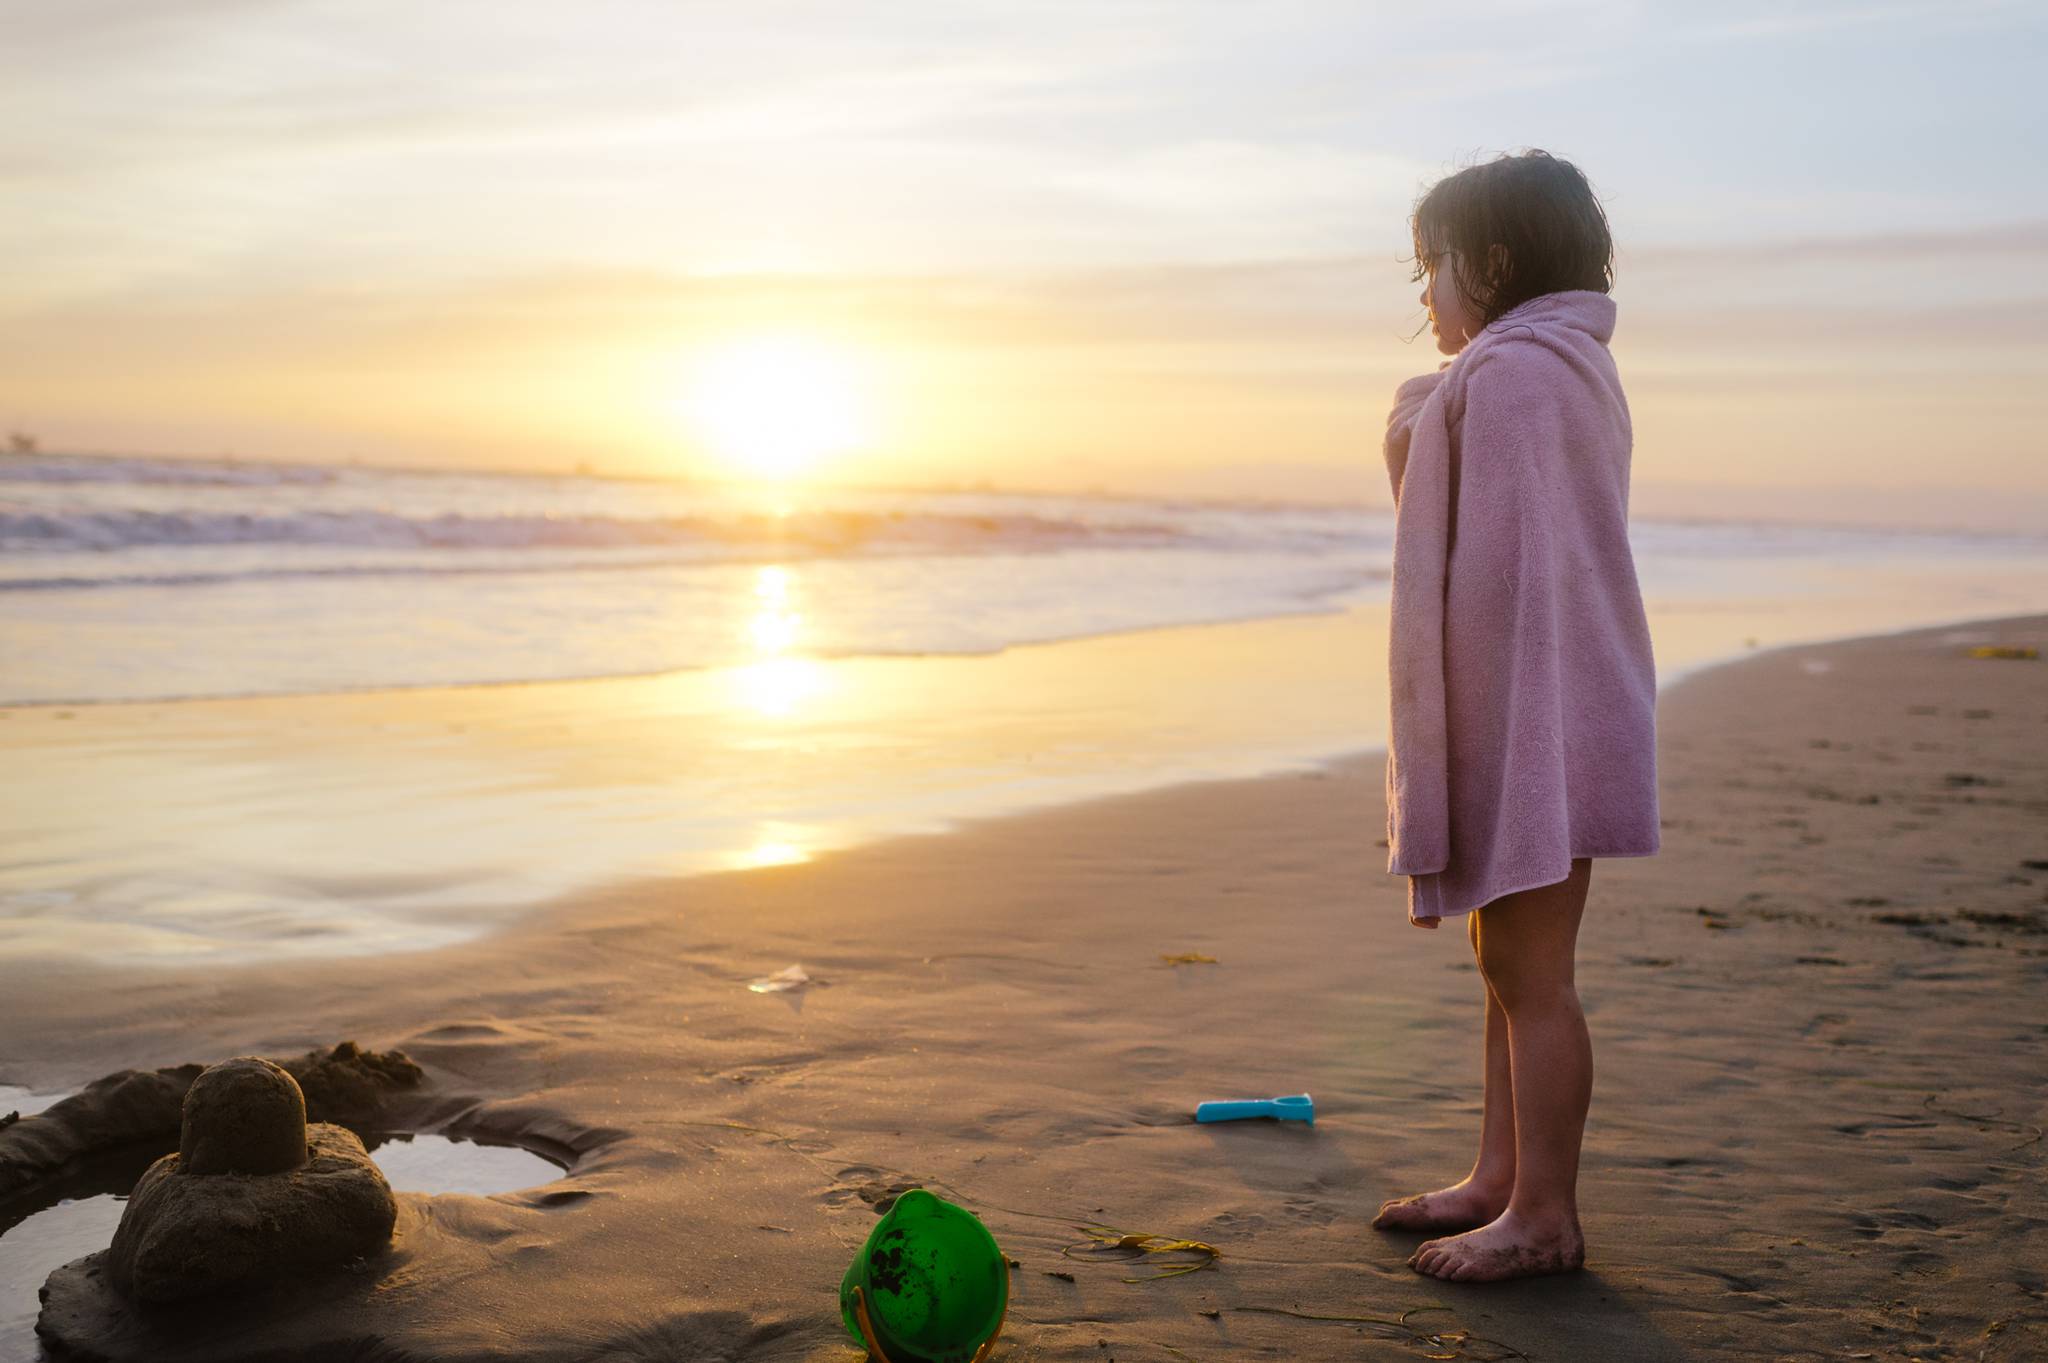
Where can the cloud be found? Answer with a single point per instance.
(96, 29)
(1778, 23)
(2024, 238)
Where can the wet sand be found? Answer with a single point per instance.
(208, 831)
(1817, 1020)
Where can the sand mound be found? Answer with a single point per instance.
(346, 1085)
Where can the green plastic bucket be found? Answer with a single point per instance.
(929, 1286)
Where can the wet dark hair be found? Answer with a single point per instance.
(1537, 207)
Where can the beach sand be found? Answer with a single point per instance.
(1818, 1021)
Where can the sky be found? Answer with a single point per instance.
(1149, 248)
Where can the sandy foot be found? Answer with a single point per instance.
(1507, 1247)
(1462, 1206)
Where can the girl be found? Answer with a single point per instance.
(1523, 740)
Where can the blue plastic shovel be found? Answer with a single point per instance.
(1297, 1107)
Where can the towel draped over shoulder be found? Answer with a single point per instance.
(1523, 689)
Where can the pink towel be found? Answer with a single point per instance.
(1524, 693)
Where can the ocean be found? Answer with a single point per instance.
(250, 711)
(151, 579)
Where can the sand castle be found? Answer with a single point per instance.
(254, 1195)
(284, 1221)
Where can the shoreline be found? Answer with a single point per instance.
(667, 673)
(365, 823)
(1344, 607)
(1347, 764)
(1815, 1016)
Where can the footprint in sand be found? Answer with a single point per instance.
(867, 1184)
(1309, 1212)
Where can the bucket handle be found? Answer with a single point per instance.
(875, 1352)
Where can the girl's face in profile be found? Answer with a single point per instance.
(1449, 317)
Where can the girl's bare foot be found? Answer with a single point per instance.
(1458, 1207)
(1510, 1246)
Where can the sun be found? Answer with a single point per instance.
(773, 406)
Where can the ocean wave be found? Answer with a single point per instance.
(806, 533)
(66, 468)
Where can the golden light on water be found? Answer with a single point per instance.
(773, 626)
(773, 406)
(777, 683)
(771, 852)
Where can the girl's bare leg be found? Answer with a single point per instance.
(1527, 942)
(1482, 1194)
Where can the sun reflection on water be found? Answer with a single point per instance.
(776, 842)
(770, 853)
(772, 584)
(773, 626)
(776, 686)
(780, 680)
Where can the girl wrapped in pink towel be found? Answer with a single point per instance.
(1523, 726)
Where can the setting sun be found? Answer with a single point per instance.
(772, 406)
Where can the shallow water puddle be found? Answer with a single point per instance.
(75, 1216)
(32, 1248)
(56, 1235)
(14, 1099)
(439, 1164)
(63, 1220)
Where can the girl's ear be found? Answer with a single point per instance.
(1496, 261)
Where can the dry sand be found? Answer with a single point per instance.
(1818, 1021)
